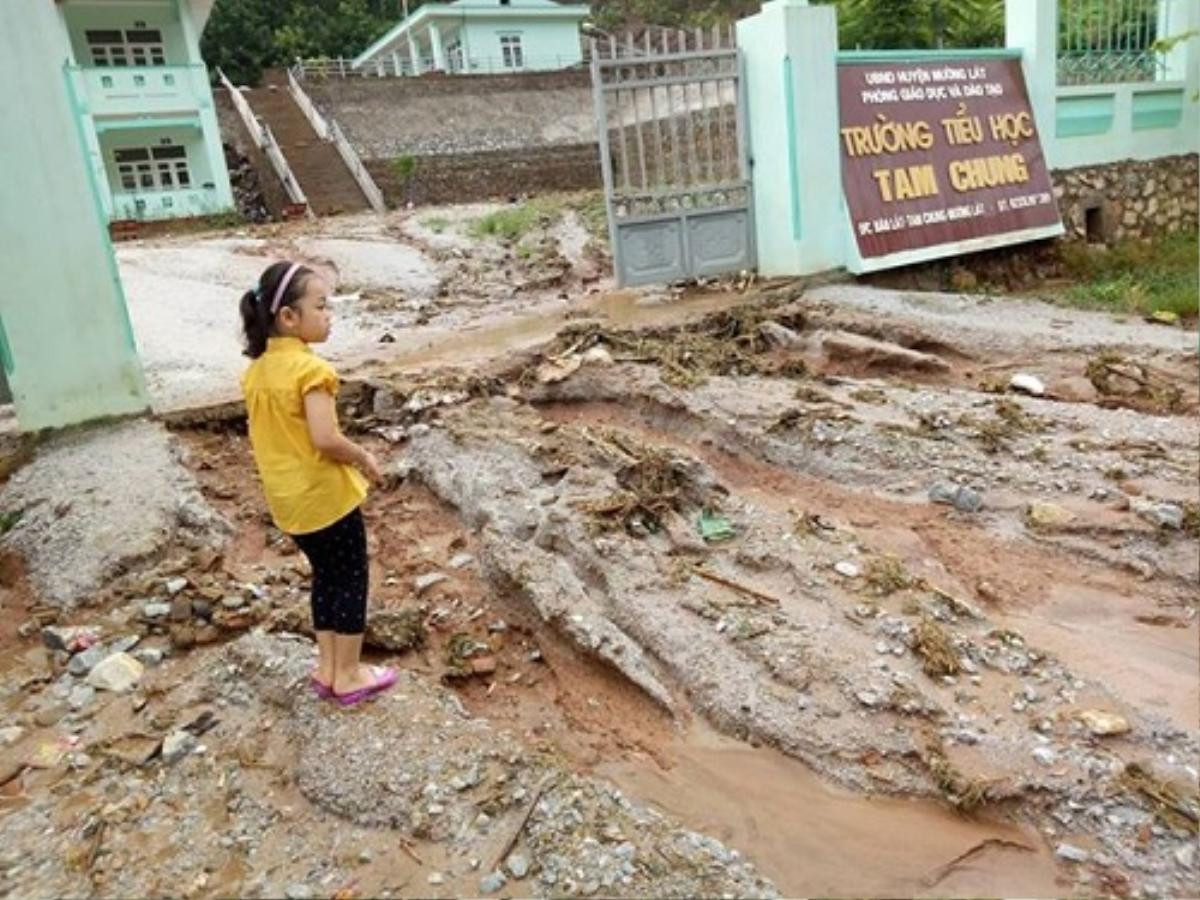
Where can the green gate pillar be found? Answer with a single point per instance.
(66, 344)
(790, 51)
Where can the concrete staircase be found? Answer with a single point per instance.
(316, 164)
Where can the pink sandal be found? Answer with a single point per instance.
(322, 690)
(384, 679)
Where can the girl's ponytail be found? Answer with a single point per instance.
(256, 324)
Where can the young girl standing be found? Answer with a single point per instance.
(313, 476)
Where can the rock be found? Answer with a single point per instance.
(424, 582)
(1048, 516)
(183, 636)
(177, 745)
(50, 715)
(201, 609)
(867, 698)
(181, 609)
(118, 673)
(125, 644)
(1103, 724)
(10, 735)
(847, 569)
(1027, 384)
(156, 610)
(597, 356)
(208, 634)
(776, 335)
(1164, 515)
(176, 586)
(490, 884)
(233, 601)
(395, 629)
(294, 891)
(81, 695)
(518, 865)
(150, 656)
(960, 497)
(83, 663)
(436, 878)
(69, 639)
(462, 561)
(1186, 856)
(553, 371)
(1071, 853)
(1045, 756)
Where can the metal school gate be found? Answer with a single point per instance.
(671, 120)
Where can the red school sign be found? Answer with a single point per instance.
(940, 158)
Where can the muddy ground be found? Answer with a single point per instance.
(744, 590)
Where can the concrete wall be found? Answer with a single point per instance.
(65, 336)
(388, 117)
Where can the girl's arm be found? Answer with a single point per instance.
(320, 410)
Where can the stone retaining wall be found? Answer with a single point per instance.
(1104, 204)
(468, 177)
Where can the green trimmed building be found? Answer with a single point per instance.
(133, 74)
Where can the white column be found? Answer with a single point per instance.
(414, 54)
(1175, 19)
(790, 52)
(439, 53)
(397, 64)
(1032, 25)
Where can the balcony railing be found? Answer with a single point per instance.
(140, 90)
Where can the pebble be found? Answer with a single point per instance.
(867, 698)
(1071, 853)
(424, 582)
(1027, 384)
(118, 672)
(83, 663)
(177, 745)
(81, 696)
(298, 892)
(11, 735)
(847, 569)
(1167, 515)
(1185, 856)
(233, 601)
(176, 585)
(962, 498)
(156, 610)
(436, 878)
(493, 882)
(49, 715)
(150, 656)
(462, 561)
(182, 608)
(518, 865)
(1045, 756)
(365, 856)
(1102, 723)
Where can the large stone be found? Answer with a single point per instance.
(395, 629)
(177, 745)
(83, 663)
(1102, 723)
(1048, 516)
(118, 673)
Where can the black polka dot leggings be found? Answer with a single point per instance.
(338, 555)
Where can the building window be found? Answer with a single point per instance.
(146, 169)
(134, 47)
(510, 51)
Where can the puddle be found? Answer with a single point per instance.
(814, 840)
(1155, 668)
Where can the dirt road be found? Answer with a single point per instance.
(744, 590)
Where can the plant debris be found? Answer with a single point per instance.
(1116, 376)
(936, 649)
(1172, 807)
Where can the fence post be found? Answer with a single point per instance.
(1032, 26)
(341, 67)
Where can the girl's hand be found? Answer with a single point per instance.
(370, 467)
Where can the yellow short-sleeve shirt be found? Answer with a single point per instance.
(305, 490)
